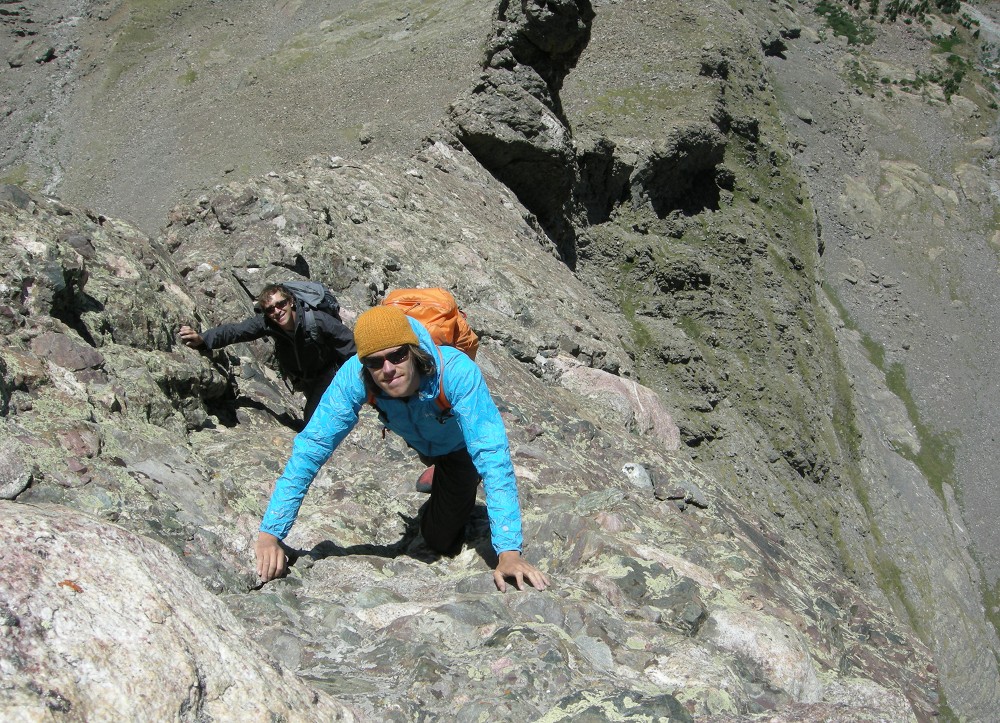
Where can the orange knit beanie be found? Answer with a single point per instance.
(382, 327)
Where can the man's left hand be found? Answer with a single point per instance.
(512, 565)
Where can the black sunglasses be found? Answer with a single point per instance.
(276, 306)
(394, 357)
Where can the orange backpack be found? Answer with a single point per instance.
(438, 311)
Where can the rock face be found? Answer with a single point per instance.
(103, 624)
(696, 609)
(726, 487)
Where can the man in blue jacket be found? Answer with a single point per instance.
(399, 367)
(308, 358)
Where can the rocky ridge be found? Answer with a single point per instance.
(653, 571)
(779, 456)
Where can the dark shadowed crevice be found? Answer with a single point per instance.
(701, 194)
(602, 179)
(680, 172)
(70, 303)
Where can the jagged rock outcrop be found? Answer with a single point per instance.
(514, 122)
(512, 119)
(547, 38)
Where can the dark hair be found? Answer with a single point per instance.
(422, 362)
(269, 291)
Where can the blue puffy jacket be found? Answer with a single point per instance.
(474, 423)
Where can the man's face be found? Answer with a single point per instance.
(280, 309)
(394, 371)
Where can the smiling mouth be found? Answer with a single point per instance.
(395, 382)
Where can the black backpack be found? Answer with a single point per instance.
(313, 296)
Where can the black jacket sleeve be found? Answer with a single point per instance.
(225, 334)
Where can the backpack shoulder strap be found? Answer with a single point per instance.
(442, 400)
(309, 320)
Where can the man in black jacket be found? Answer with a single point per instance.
(308, 360)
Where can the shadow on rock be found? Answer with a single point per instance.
(410, 544)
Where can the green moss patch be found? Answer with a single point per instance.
(843, 23)
(16, 176)
(936, 458)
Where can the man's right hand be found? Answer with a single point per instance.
(271, 560)
(190, 337)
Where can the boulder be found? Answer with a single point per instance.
(99, 623)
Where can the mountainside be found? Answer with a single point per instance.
(731, 264)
